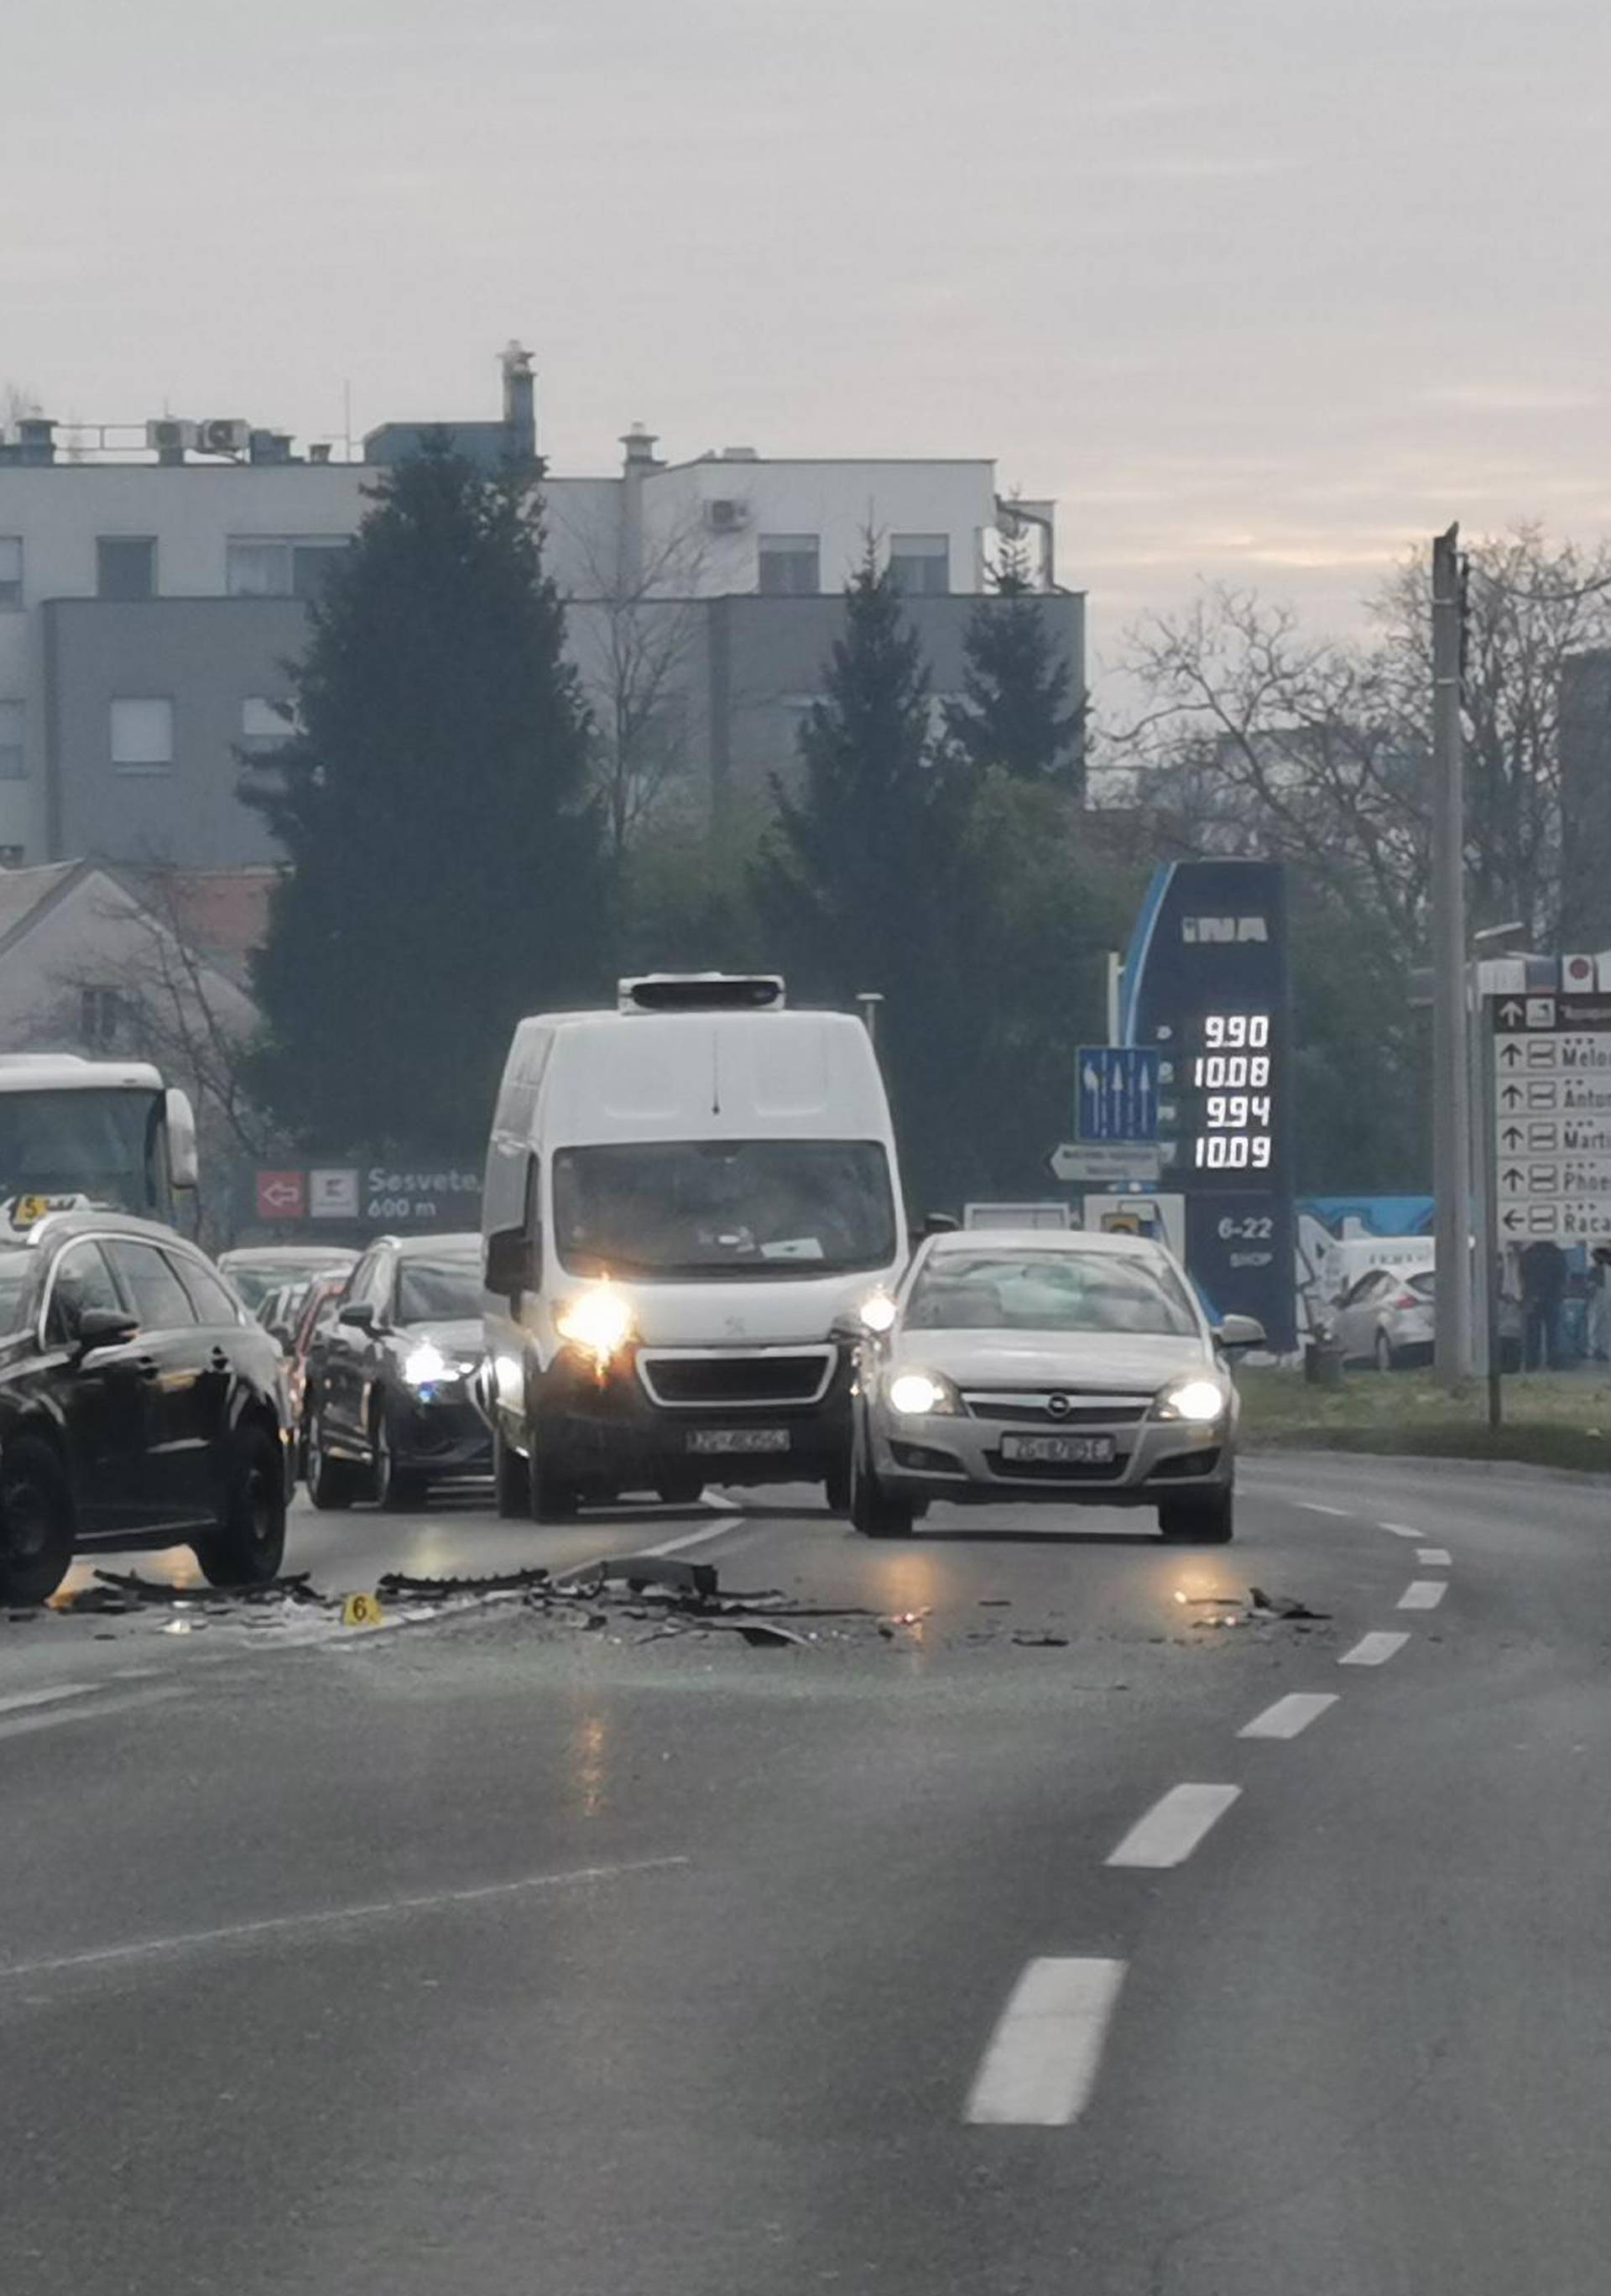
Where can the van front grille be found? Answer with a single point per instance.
(687, 1380)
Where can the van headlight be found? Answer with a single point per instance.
(877, 1312)
(599, 1322)
(1199, 1402)
(921, 1394)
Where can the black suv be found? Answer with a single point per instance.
(389, 1406)
(139, 1406)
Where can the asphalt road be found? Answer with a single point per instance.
(1030, 1934)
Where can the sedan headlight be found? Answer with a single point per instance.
(1198, 1401)
(920, 1395)
(599, 1322)
(426, 1366)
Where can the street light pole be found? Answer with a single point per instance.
(1451, 1079)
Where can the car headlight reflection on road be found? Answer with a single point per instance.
(918, 1395)
(1198, 1401)
(599, 1322)
(426, 1366)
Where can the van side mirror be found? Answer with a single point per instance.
(183, 1164)
(1236, 1333)
(513, 1263)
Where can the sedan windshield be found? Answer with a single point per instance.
(438, 1290)
(736, 1208)
(16, 1269)
(1048, 1291)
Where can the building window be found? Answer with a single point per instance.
(280, 567)
(126, 566)
(142, 734)
(11, 573)
(791, 565)
(13, 759)
(266, 725)
(102, 1012)
(920, 564)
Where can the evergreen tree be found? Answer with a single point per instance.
(1016, 714)
(444, 863)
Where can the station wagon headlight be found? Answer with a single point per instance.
(1198, 1401)
(920, 1395)
(599, 1322)
(426, 1366)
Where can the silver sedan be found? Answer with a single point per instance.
(1074, 1367)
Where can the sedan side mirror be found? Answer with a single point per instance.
(104, 1327)
(1236, 1333)
(359, 1315)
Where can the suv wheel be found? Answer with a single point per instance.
(249, 1544)
(552, 1495)
(36, 1522)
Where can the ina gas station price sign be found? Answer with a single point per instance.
(1206, 983)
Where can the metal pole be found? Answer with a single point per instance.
(1487, 1149)
(1451, 1100)
(1114, 968)
(869, 1001)
(1482, 1249)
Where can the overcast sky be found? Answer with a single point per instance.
(1258, 289)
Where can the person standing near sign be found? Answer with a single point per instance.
(1543, 1275)
(1599, 1303)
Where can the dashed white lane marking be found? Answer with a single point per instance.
(20, 1698)
(281, 1924)
(1313, 1506)
(53, 1717)
(1041, 2066)
(1174, 1825)
(1423, 1594)
(1433, 1558)
(1373, 1650)
(1401, 1530)
(1289, 1715)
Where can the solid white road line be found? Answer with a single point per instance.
(1173, 1826)
(1373, 1650)
(1423, 1594)
(1401, 1530)
(1313, 1506)
(279, 1925)
(1042, 2063)
(1433, 1558)
(1289, 1715)
(18, 1698)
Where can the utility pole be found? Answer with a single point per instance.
(1451, 1074)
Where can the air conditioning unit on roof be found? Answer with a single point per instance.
(223, 436)
(168, 436)
(726, 514)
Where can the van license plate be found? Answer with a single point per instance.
(1058, 1450)
(738, 1439)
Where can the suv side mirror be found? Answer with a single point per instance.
(359, 1315)
(104, 1327)
(513, 1263)
(1239, 1332)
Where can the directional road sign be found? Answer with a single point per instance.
(1113, 1161)
(1118, 1092)
(1552, 1117)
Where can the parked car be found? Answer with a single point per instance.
(1075, 1367)
(139, 1406)
(257, 1269)
(390, 1405)
(1385, 1318)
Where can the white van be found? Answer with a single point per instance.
(684, 1199)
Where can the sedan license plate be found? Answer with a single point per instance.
(1058, 1450)
(738, 1439)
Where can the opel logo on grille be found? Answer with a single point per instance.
(1058, 1407)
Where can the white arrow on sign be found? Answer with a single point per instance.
(1111, 1160)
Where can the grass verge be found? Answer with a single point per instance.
(1550, 1419)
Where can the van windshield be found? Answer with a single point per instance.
(730, 1207)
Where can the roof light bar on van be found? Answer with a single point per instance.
(702, 992)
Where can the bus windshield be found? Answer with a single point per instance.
(99, 1144)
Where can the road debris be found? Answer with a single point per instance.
(1283, 1606)
(1025, 1641)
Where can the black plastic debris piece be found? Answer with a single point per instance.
(995, 1602)
(1040, 1642)
(1282, 1606)
(642, 1570)
(399, 1585)
(295, 1587)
